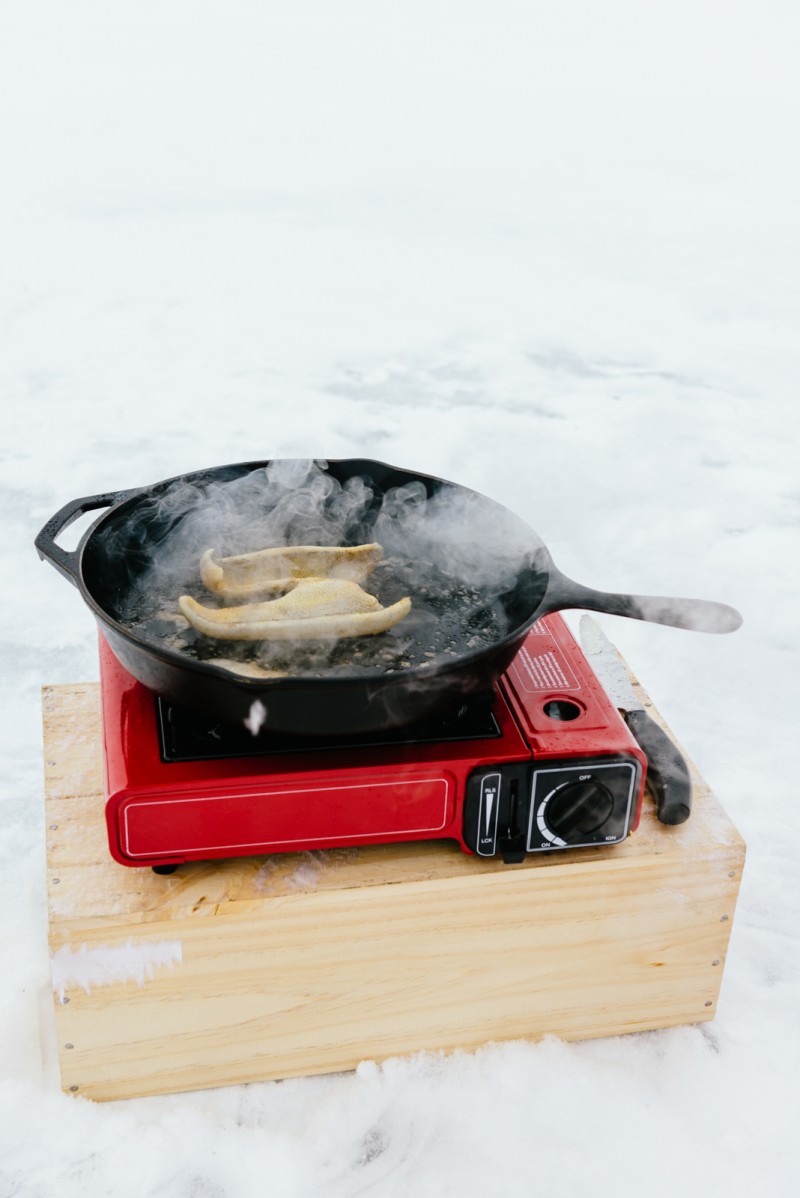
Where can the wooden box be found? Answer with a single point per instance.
(270, 967)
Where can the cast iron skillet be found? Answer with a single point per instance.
(116, 551)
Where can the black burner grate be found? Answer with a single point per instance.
(192, 736)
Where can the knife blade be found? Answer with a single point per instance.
(667, 771)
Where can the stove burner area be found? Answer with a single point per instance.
(192, 736)
(540, 762)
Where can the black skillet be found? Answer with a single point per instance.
(115, 554)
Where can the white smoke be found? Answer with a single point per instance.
(452, 551)
(256, 718)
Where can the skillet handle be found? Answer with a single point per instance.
(65, 561)
(697, 615)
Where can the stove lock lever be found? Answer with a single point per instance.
(492, 816)
(488, 815)
(512, 841)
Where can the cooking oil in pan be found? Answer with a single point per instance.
(449, 619)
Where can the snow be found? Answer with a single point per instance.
(105, 964)
(548, 251)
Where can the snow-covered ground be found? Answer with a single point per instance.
(549, 251)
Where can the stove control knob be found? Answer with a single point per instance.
(579, 809)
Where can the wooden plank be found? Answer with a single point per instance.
(267, 967)
(320, 985)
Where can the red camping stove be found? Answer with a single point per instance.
(541, 762)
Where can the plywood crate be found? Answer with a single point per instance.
(270, 967)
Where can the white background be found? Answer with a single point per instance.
(549, 251)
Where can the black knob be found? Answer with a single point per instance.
(579, 809)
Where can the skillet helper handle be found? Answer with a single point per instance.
(66, 561)
(667, 772)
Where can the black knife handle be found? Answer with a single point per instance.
(667, 771)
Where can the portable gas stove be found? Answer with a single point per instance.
(541, 762)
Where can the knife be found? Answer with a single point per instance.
(667, 771)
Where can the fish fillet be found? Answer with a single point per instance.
(316, 608)
(247, 669)
(279, 569)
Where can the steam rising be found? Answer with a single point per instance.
(256, 718)
(453, 552)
